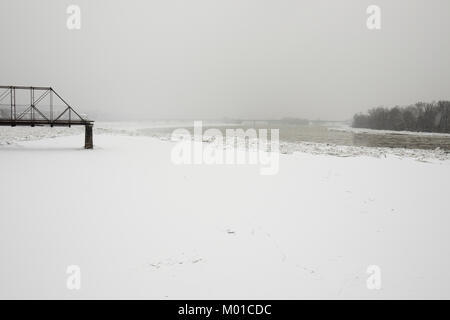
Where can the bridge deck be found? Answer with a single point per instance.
(38, 122)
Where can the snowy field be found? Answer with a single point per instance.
(141, 227)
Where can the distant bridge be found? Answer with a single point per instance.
(40, 106)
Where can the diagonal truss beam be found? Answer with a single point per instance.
(4, 94)
(62, 113)
(23, 113)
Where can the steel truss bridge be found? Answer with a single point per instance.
(40, 106)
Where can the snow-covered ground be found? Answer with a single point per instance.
(139, 226)
(12, 135)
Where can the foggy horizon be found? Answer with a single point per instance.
(229, 59)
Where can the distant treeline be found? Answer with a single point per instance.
(427, 117)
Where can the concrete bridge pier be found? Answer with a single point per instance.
(88, 139)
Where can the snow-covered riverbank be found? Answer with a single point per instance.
(347, 128)
(11, 136)
(141, 227)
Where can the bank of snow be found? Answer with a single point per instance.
(142, 227)
(347, 128)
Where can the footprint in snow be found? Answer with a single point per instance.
(172, 262)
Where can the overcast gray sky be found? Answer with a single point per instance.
(229, 58)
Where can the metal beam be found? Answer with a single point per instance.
(25, 88)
